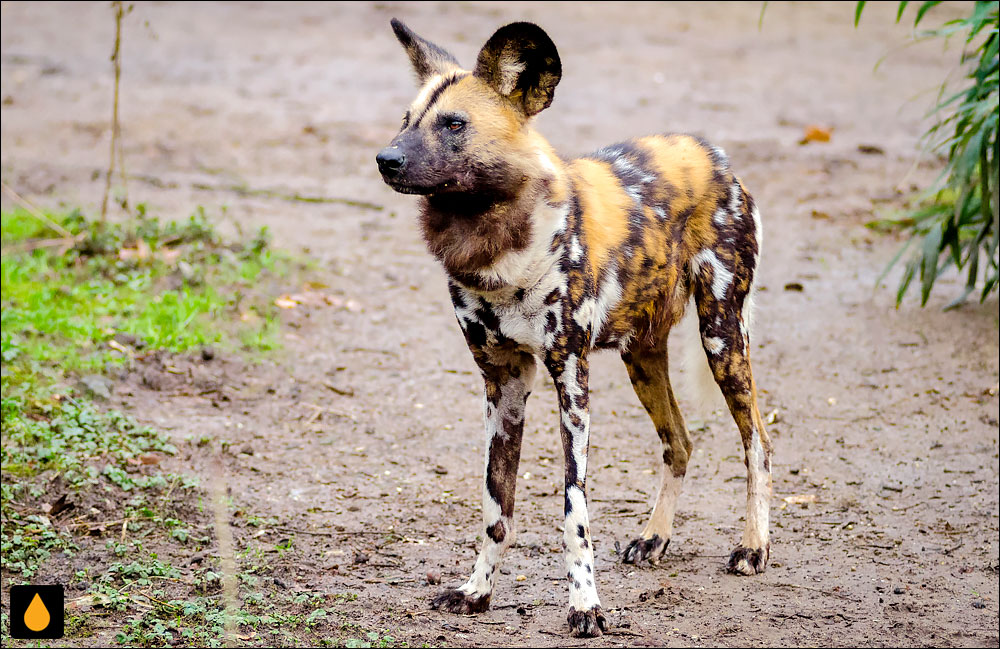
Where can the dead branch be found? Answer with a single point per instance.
(115, 126)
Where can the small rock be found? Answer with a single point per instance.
(978, 604)
(95, 386)
(207, 354)
(433, 577)
(246, 449)
(186, 270)
(898, 590)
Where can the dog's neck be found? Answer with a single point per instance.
(496, 241)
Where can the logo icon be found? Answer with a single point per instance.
(36, 612)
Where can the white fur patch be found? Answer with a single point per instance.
(511, 66)
(755, 535)
(662, 520)
(426, 91)
(714, 345)
(722, 277)
(608, 295)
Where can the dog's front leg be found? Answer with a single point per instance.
(508, 385)
(571, 375)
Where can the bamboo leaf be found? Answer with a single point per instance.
(929, 264)
(924, 8)
(902, 6)
(904, 283)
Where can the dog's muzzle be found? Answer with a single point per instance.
(390, 161)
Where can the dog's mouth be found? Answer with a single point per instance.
(422, 190)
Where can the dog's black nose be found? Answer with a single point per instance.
(390, 160)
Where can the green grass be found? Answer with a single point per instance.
(149, 285)
(119, 292)
(94, 303)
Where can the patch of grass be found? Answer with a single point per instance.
(81, 446)
(125, 289)
(88, 304)
(291, 619)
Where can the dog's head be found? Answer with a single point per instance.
(465, 131)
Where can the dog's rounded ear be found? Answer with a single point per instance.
(521, 63)
(427, 58)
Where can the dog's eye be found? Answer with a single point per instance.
(456, 125)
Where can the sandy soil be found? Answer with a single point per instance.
(889, 417)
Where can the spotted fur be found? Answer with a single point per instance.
(549, 261)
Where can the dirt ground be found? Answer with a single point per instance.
(363, 437)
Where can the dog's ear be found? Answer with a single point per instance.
(427, 58)
(520, 62)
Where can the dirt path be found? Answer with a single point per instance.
(889, 417)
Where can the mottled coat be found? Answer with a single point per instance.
(550, 260)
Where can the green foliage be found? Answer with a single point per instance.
(87, 302)
(87, 450)
(161, 286)
(956, 221)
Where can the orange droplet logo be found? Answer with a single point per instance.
(37, 616)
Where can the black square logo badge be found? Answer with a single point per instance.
(36, 612)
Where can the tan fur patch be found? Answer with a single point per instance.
(605, 207)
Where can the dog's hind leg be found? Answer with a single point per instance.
(723, 278)
(647, 367)
(508, 385)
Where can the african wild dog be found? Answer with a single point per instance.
(551, 260)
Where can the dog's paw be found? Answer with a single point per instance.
(747, 561)
(587, 624)
(641, 549)
(455, 601)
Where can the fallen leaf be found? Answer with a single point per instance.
(870, 149)
(60, 505)
(816, 133)
(800, 499)
(285, 302)
(118, 347)
(794, 286)
(87, 602)
(150, 458)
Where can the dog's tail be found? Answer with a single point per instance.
(697, 383)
